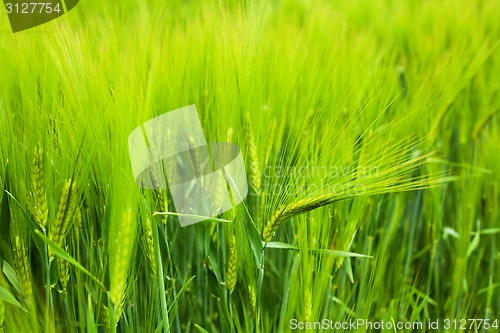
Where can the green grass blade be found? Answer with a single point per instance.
(6, 296)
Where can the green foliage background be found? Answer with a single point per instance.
(407, 87)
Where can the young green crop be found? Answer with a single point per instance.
(370, 136)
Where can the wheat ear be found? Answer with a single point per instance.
(121, 251)
(149, 247)
(390, 180)
(220, 186)
(64, 216)
(196, 159)
(254, 170)
(64, 273)
(232, 264)
(22, 265)
(200, 159)
(308, 305)
(306, 127)
(270, 141)
(252, 297)
(78, 224)
(104, 314)
(39, 209)
(161, 202)
(290, 210)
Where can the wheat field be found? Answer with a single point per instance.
(370, 135)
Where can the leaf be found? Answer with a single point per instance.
(214, 267)
(177, 298)
(344, 307)
(54, 272)
(475, 241)
(285, 246)
(4, 222)
(252, 232)
(255, 241)
(201, 329)
(452, 232)
(348, 268)
(6, 296)
(11, 275)
(31, 225)
(64, 255)
(91, 326)
(196, 217)
(487, 231)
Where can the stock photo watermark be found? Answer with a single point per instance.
(25, 15)
(204, 179)
(370, 325)
(314, 180)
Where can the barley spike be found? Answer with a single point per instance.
(64, 216)
(147, 238)
(232, 265)
(22, 265)
(254, 171)
(39, 209)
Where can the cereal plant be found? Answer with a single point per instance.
(369, 132)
